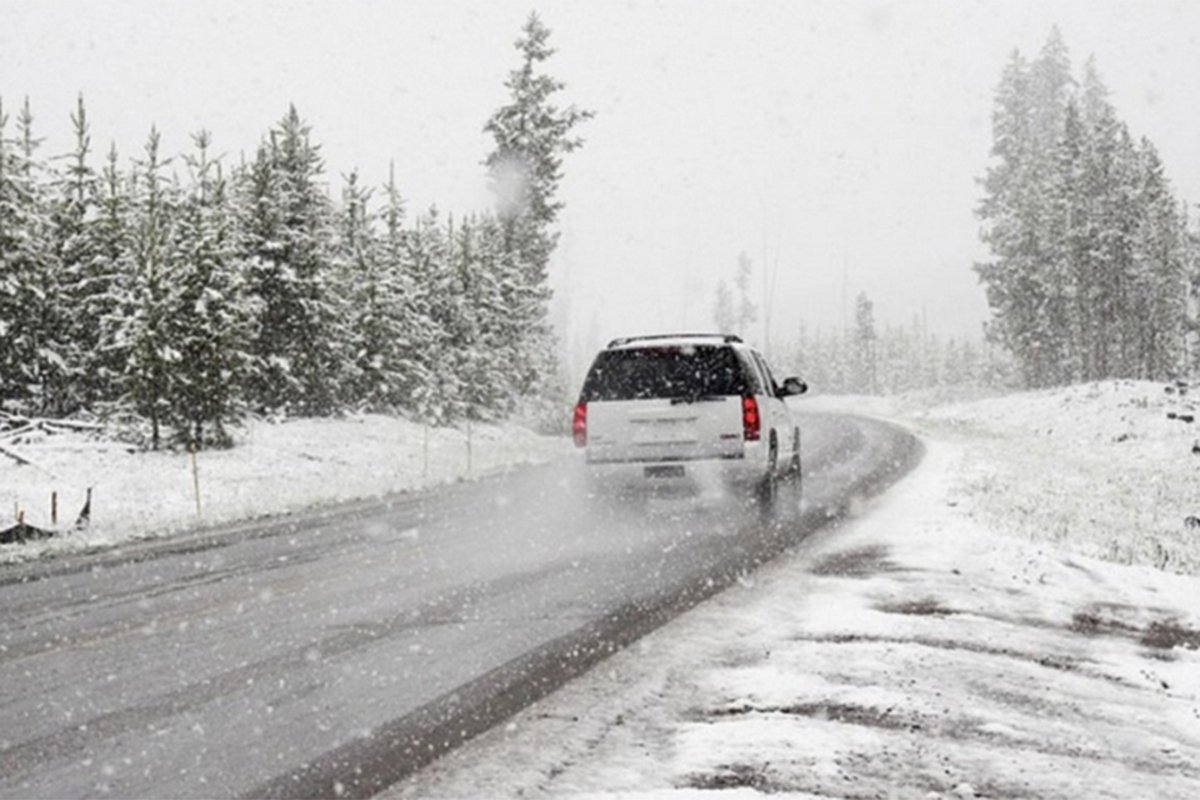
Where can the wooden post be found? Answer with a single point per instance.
(54, 508)
(196, 480)
(468, 444)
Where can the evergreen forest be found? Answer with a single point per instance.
(1093, 273)
(180, 292)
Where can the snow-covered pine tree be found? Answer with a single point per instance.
(826, 367)
(1029, 190)
(1160, 283)
(463, 323)
(865, 343)
(147, 291)
(1119, 219)
(841, 360)
(887, 348)
(834, 357)
(437, 399)
(1045, 270)
(210, 315)
(1192, 267)
(31, 363)
(916, 368)
(746, 313)
(49, 316)
(953, 367)
(1098, 272)
(1089, 131)
(1071, 231)
(372, 269)
(522, 330)
(17, 276)
(815, 370)
(971, 355)
(1050, 86)
(105, 302)
(799, 355)
(299, 338)
(724, 316)
(895, 355)
(76, 213)
(411, 331)
(356, 270)
(1007, 219)
(531, 135)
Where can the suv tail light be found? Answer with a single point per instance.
(579, 425)
(751, 422)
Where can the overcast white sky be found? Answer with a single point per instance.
(837, 140)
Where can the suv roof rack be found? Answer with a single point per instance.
(725, 337)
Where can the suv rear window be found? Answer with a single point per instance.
(664, 372)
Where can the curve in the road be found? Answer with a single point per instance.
(369, 765)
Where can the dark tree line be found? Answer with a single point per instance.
(867, 359)
(1093, 273)
(187, 292)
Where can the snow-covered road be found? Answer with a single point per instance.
(316, 656)
(913, 652)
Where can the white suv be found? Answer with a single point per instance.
(687, 409)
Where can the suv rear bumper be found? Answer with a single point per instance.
(695, 475)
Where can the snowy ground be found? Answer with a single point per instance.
(1017, 618)
(276, 467)
(1110, 469)
(954, 640)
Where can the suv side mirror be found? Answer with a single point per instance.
(793, 386)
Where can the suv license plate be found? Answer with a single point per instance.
(673, 471)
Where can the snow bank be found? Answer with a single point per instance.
(276, 467)
(1111, 469)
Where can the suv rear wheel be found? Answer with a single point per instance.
(768, 487)
(795, 469)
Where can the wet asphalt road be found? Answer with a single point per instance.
(332, 654)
